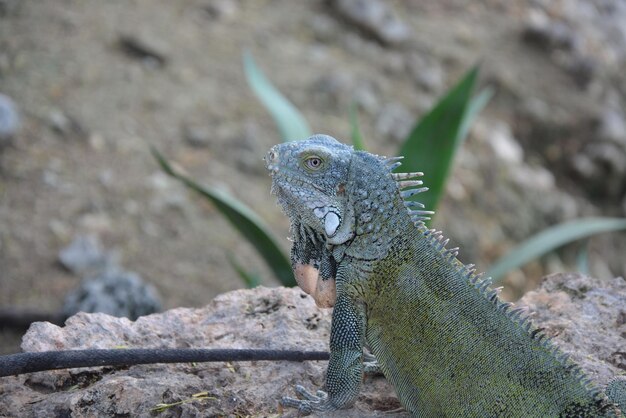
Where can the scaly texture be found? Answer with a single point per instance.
(441, 336)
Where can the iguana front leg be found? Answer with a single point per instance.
(345, 368)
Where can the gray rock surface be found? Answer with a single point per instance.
(276, 318)
(586, 316)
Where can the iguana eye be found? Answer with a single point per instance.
(313, 162)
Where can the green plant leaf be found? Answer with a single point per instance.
(250, 279)
(477, 104)
(553, 238)
(243, 219)
(431, 145)
(290, 122)
(582, 258)
(355, 131)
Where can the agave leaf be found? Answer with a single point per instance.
(243, 219)
(431, 145)
(582, 258)
(477, 104)
(552, 238)
(357, 137)
(290, 122)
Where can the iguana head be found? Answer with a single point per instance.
(340, 202)
(309, 179)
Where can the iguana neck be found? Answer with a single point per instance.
(380, 214)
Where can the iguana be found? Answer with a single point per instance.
(440, 334)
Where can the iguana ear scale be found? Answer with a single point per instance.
(331, 223)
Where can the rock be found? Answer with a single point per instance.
(582, 68)
(9, 120)
(504, 145)
(587, 318)
(585, 315)
(146, 48)
(107, 287)
(612, 126)
(221, 9)
(603, 168)
(375, 18)
(584, 38)
(548, 34)
(85, 254)
(266, 318)
(114, 292)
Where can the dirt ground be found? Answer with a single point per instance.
(91, 105)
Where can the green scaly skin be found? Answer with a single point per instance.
(441, 336)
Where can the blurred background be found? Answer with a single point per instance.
(88, 85)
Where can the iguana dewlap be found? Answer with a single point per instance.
(308, 277)
(441, 336)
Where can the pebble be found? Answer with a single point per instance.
(115, 292)
(549, 34)
(504, 145)
(612, 126)
(221, 9)
(145, 48)
(84, 254)
(374, 17)
(9, 119)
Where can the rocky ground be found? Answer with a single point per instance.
(94, 83)
(586, 317)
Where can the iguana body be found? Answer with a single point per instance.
(444, 340)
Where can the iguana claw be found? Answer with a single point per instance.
(318, 402)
